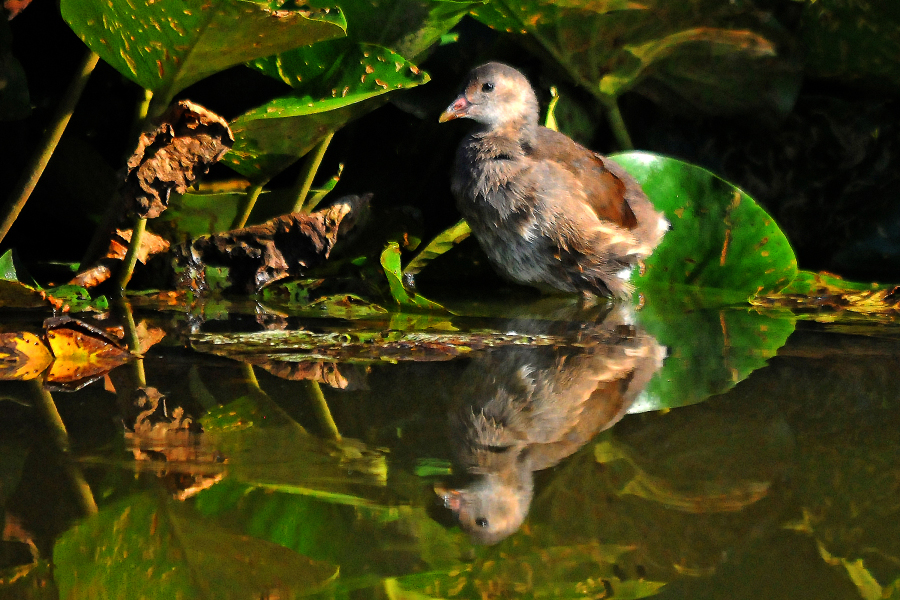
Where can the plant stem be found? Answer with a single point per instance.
(133, 342)
(618, 124)
(43, 401)
(310, 167)
(320, 406)
(253, 192)
(140, 113)
(131, 256)
(35, 168)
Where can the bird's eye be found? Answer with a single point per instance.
(487, 87)
(481, 521)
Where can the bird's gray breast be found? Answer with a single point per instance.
(492, 193)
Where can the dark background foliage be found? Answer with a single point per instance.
(827, 169)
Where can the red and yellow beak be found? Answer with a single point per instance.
(457, 110)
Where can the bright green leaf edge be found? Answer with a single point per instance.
(719, 237)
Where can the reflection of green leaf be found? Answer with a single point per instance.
(443, 242)
(720, 238)
(147, 548)
(167, 45)
(390, 260)
(274, 135)
(289, 459)
(709, 350)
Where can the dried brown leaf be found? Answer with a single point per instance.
(102, 270)
(187, 142)
(286, 246)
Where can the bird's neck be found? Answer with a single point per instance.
(509, 140)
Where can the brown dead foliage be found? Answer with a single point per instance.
(14, 7)
(257, 256)
(187, 142)
(103, 269)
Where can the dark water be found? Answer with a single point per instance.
(683, 454)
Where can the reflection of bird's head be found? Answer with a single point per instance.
(495, 95)
(490, 509)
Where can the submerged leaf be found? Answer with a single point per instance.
(817, 291)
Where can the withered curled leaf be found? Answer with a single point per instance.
(286, 246)
(102, 269)
(186, 143)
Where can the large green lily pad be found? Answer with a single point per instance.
(719, 239)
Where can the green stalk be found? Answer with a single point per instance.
(320, 407)
(127, 267)
(35, 168)
(133, 342)
(247, 205)
(310, 167)
(618, 124)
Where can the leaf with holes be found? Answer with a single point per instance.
(167, 45)
(272, 136)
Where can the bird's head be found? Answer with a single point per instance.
(497, 96)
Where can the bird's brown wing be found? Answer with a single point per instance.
(607, 186)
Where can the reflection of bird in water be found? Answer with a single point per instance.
(527, 408)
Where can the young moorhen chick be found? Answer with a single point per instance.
(547, 211)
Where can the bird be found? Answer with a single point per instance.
(548, 212)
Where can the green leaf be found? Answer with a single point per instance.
(195, 214)
(408, 27)
(165, 46)
(146, 547)
(720, 238)
(612, 46)
(390, 261)
(11, 269)
(271, 137)
(443, 242)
